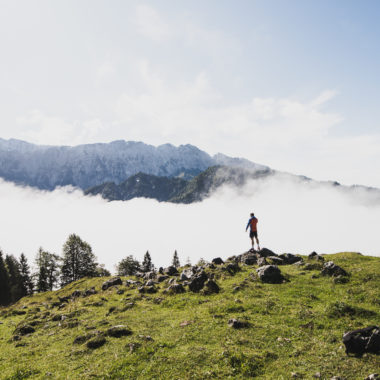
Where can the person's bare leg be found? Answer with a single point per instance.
(253, 242)
(258, 244)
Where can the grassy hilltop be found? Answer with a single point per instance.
(293, 329)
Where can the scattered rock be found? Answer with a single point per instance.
(133, 346)
(232, 268)
(373, 376)
(211, 287)
(64, 299)
(171, 270)
(270, 274)
(112, 282)
(265, 252)
(197, 282)
(289, 258)
(217, 261)
(84, 338)
(312, 266)
(237, 324)
(150, 283)
(340, 279)
(275, 260)
(149, 275)
(89, 292)
(162, 278)
(362, 340)
(317, 375)
(261, 261)
(24, 329)
(120, 292)
(119, 331)
(175, 289)
(331, 269)
(76, 294)
(314, 256)
(132, 283)
(248, 258)
(147, 289)
(96, 342)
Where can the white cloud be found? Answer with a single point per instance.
(40, 128)
(150, 23)
(292, 218)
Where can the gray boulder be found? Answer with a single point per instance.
(289, 258)
(275, 260)
(175, 289)
(112, 282)
(186, 275)
(270, 274)
(162, 277)
(149, 275)
(361, 341)
(211, 287)
(333, 270)
(171, 271)
(261, 261)
(197, 282)
(232, 268)
(248, 258)
(217, 261)
(265, 252)
(149, 283)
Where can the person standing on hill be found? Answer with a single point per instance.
(252, 224)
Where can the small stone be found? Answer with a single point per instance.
(119, 331)
(317, 375)
(186, 323)
(96, 342)
(237, 324)
(373, 376)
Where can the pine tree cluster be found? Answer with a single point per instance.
(52, 271)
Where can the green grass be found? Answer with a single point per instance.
(296, 326)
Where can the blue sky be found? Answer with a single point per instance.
(290, 84)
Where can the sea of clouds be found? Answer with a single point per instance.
(293, 217)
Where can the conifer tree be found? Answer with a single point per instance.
(147, 264)
(26, 280)
(128, 266)
(47, 270)
(78, 260)
(5, 291)
(15, 285)
(175, 261)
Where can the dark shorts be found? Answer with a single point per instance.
(253, 234)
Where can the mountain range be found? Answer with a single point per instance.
(85, 166)
(122, 170)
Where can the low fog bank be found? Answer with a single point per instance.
(293, 217)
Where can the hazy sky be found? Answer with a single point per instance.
(292, 84)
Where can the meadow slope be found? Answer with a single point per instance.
(293, 329)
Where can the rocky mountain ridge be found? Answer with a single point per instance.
(88, 165)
